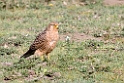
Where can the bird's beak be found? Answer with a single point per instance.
(57, 26)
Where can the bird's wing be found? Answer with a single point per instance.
(39, 42)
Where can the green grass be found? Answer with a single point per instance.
(87, 61)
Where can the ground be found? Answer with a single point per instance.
(90, 49)
(114, 2)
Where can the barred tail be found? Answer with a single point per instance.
(28, 53)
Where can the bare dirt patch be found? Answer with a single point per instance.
(114, 2)
(78, 37)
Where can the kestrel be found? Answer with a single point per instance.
(45, 42)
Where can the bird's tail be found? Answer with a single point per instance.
(28, 53)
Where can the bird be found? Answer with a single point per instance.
(45, 42)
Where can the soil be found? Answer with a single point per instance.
(78, 37)
(113, 2)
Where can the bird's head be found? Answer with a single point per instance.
(53, 26)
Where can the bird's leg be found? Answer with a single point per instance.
(48, 57)
(42, 57)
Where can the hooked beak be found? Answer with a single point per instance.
(57, 26)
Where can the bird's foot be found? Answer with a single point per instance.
(44, 59)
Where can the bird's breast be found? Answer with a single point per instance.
(52, 43)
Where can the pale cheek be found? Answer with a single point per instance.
(52, 28)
